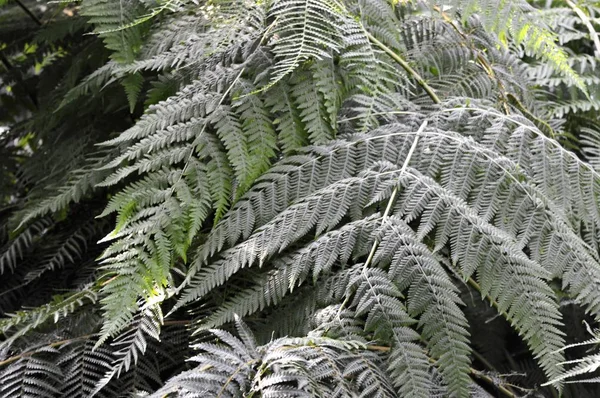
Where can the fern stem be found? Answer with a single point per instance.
(201, 133)
(232, 377)
(392, 199)
(348, 119)
(506, 97)
(483, 360)
(476, 373)
(406, 67)
(17, 75)
(58, 343)
(35, 350)
(378, 348)
(494, 304)
(480, 58)
(28, 12)
(491, 381)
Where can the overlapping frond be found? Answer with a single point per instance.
(264, 161)
(516, 20)
(315, 366)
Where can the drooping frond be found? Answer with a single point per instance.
(17, 248)
(130, 345)
(78, 184)
(109, 17)
(438, 211)
(22, 322)
(397, 198)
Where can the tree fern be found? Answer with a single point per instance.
(298, 198)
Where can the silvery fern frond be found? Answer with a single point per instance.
(337, 198)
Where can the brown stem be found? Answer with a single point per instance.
(490, 381)
(480, 58)
(66, 341)
(33, 351)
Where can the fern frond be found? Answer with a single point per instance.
(108, 17)
(433, 296)
(261, 137)
(17, 248)
(133, 86)
(23, 322)
(296, 367)
(69, 250)
(312, 111)
(181, 44)
(77, 185)
(516, 19)
(264, 160)
(93, 82)
(427, 209)
(34, 375)
(294, 269)
(311, 212)
(303, 29)
(194, 100)
(375, 296)
(288, 124)
(83, 367)
(131, 344)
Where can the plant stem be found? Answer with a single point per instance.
(67, 341)
(16, 74)
(392, 198)
(474, 372)
(54, 344)
(490, 381)
(28, 12)
(406, 67)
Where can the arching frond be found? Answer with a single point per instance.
(336, 198)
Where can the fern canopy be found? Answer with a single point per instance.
(299, 198)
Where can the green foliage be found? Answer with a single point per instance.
(397, 198)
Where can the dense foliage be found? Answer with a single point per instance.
(299, 198)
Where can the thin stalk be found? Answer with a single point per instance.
(17, 75)
(420, 81)
(490, 381)
(474, 372)
(71, 340)
(28, 12)
(392, 199)
(33, 351)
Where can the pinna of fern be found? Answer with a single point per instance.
(371, 166)
(576, 24)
